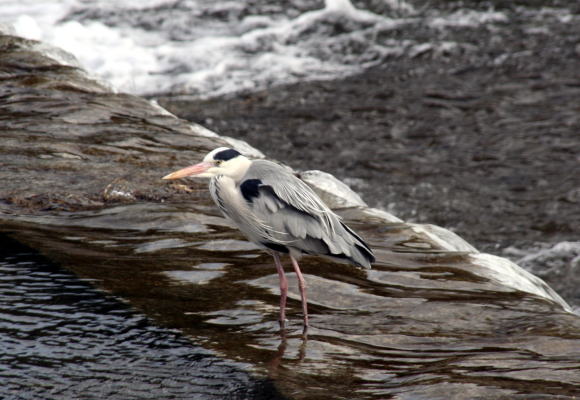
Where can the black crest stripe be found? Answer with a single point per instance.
(226, 155)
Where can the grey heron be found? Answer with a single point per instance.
(279, 212)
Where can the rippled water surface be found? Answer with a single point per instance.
(423, 323)
(63, 339)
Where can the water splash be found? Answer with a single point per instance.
(207, 50)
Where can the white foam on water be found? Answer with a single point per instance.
(468, 18)
(558, 257)
(30, 17)
(161, 46)
(558, 263)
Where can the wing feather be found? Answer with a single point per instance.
(297, 218)
(292, 191)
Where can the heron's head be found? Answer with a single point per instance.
(221, 161)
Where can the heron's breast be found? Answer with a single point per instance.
(228, 197)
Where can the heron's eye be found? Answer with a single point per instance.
(219, 162)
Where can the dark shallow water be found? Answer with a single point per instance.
(423, 323)
(63, 339)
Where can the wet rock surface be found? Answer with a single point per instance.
(81, 168)
(68, 143)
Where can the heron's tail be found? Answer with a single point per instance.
(361, 254)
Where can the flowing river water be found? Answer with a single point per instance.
(423, 323)
(115, 284)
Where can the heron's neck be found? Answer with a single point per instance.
(241, 168)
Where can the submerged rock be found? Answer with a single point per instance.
(81, 170)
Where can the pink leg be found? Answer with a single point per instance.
(302, 287)
(283, 288)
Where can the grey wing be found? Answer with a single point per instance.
(298, 219)
(292, 191)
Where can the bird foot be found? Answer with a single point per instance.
(282, 323)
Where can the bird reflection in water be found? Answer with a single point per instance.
(276, 362)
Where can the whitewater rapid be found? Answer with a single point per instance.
(208, 49)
